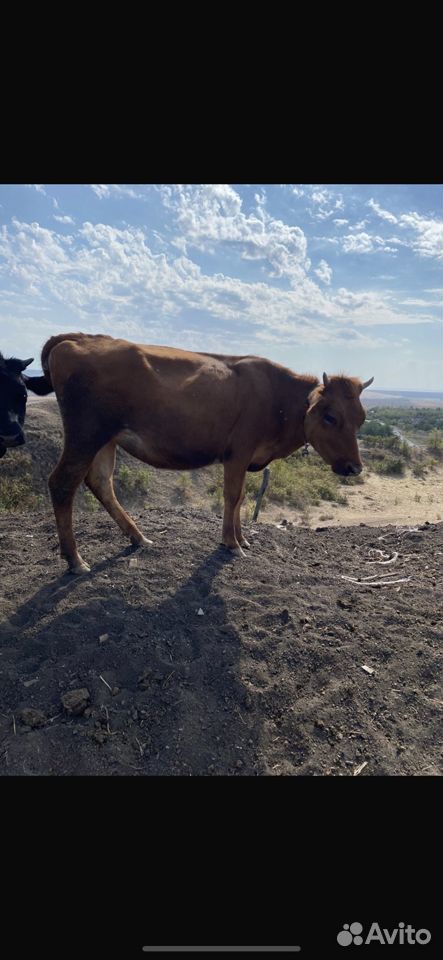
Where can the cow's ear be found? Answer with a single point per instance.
(14, 365)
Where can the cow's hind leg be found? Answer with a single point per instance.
(63, 483)
(237, 523)
(234, 481)
(99, 481)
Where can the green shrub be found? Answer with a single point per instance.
(215, 488)
(435, 443)
(375, 428)
(389, 466)
(419, 469)
(133, 480)
(90, 502)
(17, 493)
(184, 487)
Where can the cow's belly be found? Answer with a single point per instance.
(159, 455)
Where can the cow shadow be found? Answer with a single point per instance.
(178, 671)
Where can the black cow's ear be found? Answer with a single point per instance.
(14, 365)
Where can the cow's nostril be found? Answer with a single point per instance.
(353, 468)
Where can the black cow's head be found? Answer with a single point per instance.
(13, 398)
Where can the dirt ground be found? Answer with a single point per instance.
(379, 500)
(267, 679)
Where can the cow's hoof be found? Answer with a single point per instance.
(245, 543)
(235, 551)
(143, 543)
(238, 552)
(79, 568)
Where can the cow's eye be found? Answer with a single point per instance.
(328, 418)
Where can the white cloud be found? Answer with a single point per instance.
(64, 219)
(428, 238)
(326, 203)
(418, 302)
(39, 187)
(324, 272)
(106, 190)
(428, 241)
(360, 225)
(211, 215)
(340, 223)
(108, 278)
(384, 214)
(364, 243)
(372, 309)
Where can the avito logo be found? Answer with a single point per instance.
(352, 933)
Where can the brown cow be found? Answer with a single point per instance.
(181, 410)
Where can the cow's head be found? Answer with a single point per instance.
(13, 398)
(333, 418)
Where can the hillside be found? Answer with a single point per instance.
(406, 500)
(268, 680)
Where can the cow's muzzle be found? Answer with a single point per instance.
(348, 469)
(12, 440)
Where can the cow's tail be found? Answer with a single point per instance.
(43, 385)
(40, 385)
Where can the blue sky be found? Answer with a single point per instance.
(336, 277)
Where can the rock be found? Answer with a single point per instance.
(99, 736)
(145, 679)
(285, 616)
(345, 603)
(75, 702)
(32, 717)
(103, 637)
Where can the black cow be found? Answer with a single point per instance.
(13, 396)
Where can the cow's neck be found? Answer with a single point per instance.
(293, 406)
